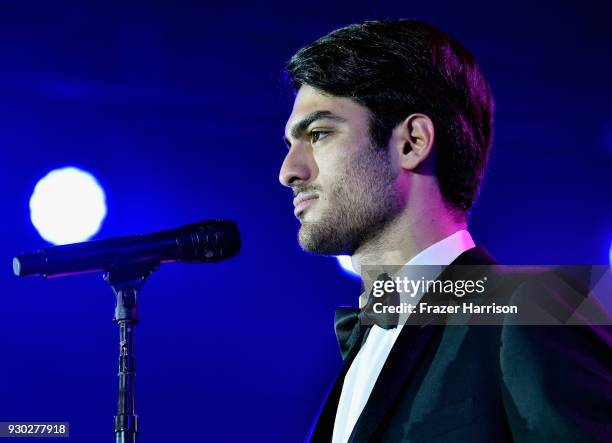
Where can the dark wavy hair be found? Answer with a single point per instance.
(397, 68)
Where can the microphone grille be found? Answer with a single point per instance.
(210, 241)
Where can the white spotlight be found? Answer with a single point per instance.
(67, 206)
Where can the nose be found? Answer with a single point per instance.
(298, 168)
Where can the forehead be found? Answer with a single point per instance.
(309, 100)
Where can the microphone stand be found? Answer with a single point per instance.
(126, 279)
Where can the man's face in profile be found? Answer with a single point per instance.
(343, 185)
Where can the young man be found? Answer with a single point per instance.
(388, 142)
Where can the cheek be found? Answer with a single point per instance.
(328, 170)
(341, 167)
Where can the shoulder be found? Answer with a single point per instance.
(562, 327)
(557, 382)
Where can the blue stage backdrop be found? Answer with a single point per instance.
(178, 111)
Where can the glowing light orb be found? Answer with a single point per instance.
(68, 205)
(345, 263)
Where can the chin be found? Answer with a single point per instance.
(318, 239)
(310, 215)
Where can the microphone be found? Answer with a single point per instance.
(204, 242)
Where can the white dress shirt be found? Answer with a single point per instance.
(365, 369)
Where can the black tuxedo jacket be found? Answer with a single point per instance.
(475, 383)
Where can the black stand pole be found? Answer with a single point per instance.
(126, 284)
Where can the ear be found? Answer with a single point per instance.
(413, 140)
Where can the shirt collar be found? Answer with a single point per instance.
(441, 253)
(445, 251)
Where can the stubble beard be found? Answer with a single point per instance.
(361, 203)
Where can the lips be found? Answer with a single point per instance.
(302, 202)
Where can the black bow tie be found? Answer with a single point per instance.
(352, 325)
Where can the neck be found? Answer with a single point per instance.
(406, 236)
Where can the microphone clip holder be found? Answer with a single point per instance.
(126, 278)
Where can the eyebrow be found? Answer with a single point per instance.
(298, 129)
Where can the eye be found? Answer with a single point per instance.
(315, 135)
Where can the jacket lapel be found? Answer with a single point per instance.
(408, 351)
(403, 360)
(323, 428)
